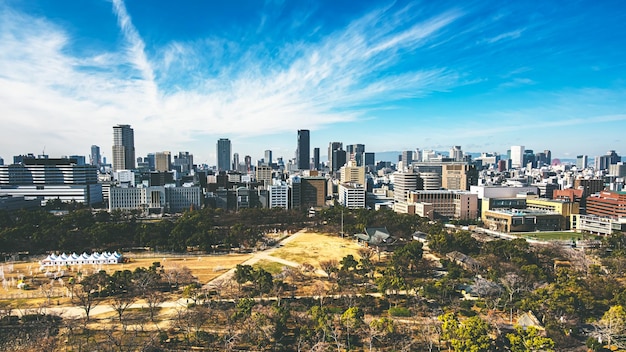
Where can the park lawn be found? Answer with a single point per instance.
(312, 248)
(553, 235)
(269, 266)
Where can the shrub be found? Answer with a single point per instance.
(399, 312)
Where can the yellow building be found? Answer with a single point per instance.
(563, 207)
(352, 173)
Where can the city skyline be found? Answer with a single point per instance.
(394, 76)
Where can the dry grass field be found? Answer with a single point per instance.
(307, 247)
(314, 247)
(204, 267)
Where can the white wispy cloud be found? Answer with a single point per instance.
(504, 36)
(174, 95)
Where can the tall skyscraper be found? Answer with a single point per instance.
(332, 147)
(316, 158)
(268, 157)
(163, 161)
(581, 161)
(369, 159)
(183, 162)
(94, 157)
(235, 165)
(517, 156)
(303, 153)
(223, 154)
(548, 154)
(407, 159)
(355, 152)
(248, 161)
(123, 147)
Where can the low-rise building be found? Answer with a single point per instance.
(607, 204)
(522, 220)
(598, 225)
(447, 203)
(155, 198)
(564, 207)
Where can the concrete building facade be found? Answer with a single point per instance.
(352, 195)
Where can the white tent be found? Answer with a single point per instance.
(76, 259)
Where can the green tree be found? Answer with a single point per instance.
(471, 335)
(529, 340)
(612, 324)
(243, 274)
(352, 320)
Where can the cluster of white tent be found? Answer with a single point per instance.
(80, 259)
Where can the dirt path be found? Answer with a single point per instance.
(262, 255)
(74, 312)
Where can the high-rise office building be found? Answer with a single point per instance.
(407, 158)
(316, 158)
(303, 153)
(332, 147)
(355, 152)
(123, 147)
(248, 161)
(183, 162)
(235, 165)
(582, 161)
(417, 155)
(339, 159)
(268, 157)
(94, 157)
(151, 160)
(456, 153)
(529, 158)
(602, 162)
(223, 154)
(163, 161)
(369, 159)
(517, 156)
(548, 155)
(264, 175)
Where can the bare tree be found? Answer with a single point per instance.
(153, 300)
(329, 267)
(47, 289)
(365, 252)
(121, 302)
(85, 298)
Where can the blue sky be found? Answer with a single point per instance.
(392, 75)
